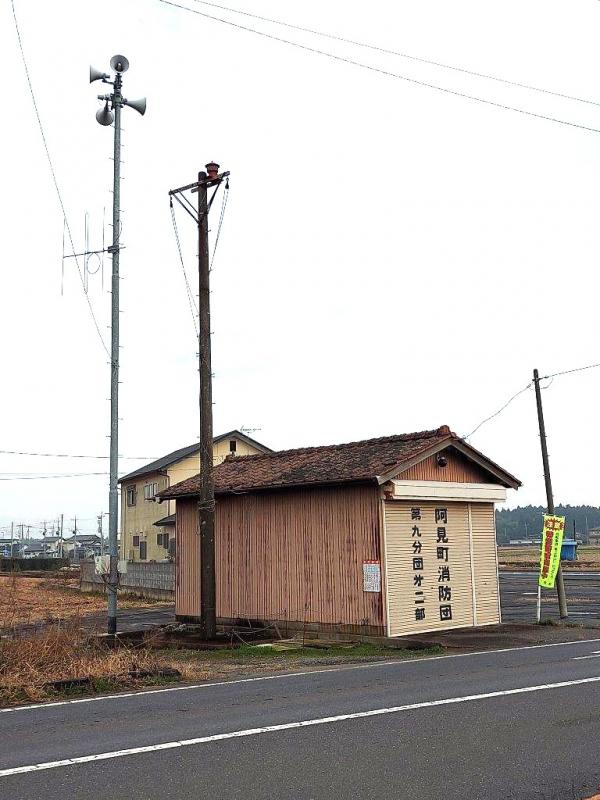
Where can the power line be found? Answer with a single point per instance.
(381, 71)
(221, 216)
(384, 50)
(569, 371)
(45, 477)
(542, 378)
(72, 455)
(190, 296)
(500, 410)
(54, 178)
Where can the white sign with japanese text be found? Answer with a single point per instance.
(371, 576)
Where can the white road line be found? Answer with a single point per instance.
(218, 737)
(286, 675)
(595, 654)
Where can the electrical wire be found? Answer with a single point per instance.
(551, 376)
(45, 477)
(385, 51)
(191, 299)
(381, 71)
(221, 216)
(500, 410)
(569, 371)
(54, 178)
(72, 455)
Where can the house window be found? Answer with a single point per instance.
(143, 551)
(150, 490)
(162, 540)
(136, 541)
(131, 495)
(232, 446)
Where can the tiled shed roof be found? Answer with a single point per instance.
(362, 461)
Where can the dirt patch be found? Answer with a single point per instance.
(27, 601)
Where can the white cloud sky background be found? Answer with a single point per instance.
(392, 258)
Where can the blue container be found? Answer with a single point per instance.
(568, 550)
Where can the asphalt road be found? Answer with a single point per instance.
(519, 724)
(518, 593)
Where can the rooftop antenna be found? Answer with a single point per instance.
(110, 114)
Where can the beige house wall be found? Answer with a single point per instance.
(139, 519)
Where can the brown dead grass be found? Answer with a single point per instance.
(25, 601)
(588, 558)
(28, 662)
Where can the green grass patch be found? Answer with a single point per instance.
(248, 654)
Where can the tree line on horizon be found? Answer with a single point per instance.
(525, 522)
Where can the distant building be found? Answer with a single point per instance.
(82, 546)
(144, 536)
(33, 550)
(594, 536)
(53, 546)
(5, 548)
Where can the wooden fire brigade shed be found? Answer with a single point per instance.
(386, 536)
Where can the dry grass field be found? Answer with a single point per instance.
(588, 558)
(31, 662)
(25, 601)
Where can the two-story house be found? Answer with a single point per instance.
(147, 527)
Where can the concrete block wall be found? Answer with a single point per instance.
(156, 580)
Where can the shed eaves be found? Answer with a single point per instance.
(362, 461)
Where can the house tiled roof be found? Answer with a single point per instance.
(362, 461)
(84, 538)
(184, 452)
(165, 521)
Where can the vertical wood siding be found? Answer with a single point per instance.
(458, 469)
(289, 555)
(400, 573)
(187, 559)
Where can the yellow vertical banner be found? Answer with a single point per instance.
(552, 537)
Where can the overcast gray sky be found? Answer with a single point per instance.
(393, 257)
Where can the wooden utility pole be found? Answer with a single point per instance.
(560, 585)
(206, 501)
